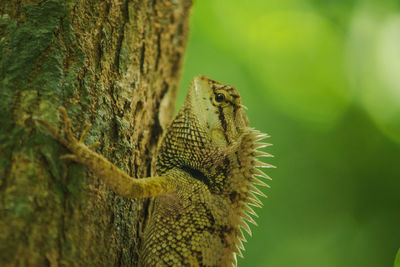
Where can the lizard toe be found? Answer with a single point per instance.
(67, 126)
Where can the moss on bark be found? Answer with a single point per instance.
(114, 64)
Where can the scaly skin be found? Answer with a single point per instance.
(205, 168)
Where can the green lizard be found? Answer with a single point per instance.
(206, 171)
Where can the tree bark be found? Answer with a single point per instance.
(114, 64)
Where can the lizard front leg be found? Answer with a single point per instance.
(115, 178)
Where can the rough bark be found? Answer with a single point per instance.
(114, 64)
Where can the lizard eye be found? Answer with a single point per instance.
(219, 97)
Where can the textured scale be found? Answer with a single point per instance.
(206, 170)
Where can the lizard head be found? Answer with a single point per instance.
(218, 109)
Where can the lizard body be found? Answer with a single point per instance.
(205, 169)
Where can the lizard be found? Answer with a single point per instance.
(206, 168)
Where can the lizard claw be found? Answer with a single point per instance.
(68, 140)
(67, 125)
(84, 133)
(94, 145)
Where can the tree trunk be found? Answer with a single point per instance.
(114, 64)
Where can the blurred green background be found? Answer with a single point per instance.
(323, 79)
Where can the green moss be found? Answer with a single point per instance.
(76, 58)
(48, 150)
(76, 173)
(50, 80)
(27, 42)
(121, 124)
(10, 141)
(86, 85)
(24, 51)
(124, 57)
(21, 208)
(39, 63)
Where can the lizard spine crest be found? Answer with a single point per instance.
(246, 175)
